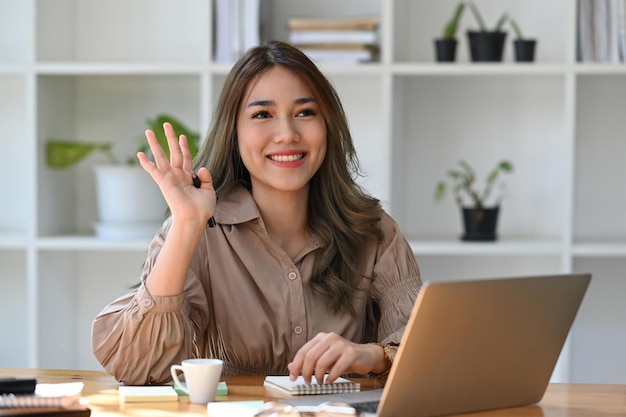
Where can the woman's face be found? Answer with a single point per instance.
(281, 132)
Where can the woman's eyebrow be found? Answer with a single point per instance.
(304, 100)
(268, 102)
(261, 103)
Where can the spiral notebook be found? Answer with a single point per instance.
(62, 395)
(299, 387)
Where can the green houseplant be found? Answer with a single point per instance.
(479, 208)
(524, 47)
(486, 45)
(63, 153)
(130, 204)
(445, 46)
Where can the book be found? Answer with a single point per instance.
(621, 29)
(613, 31)
(336, 23)
(60, 395)
(147, 393)
(237, 28)
(76, 410)
(586, 44)
(297, 37)
(344, 53)
(159, 393)
(299, 387)
(340, 56)
(16, 386)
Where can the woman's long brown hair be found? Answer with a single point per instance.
(342, 217)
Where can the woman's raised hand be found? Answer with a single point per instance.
(174, 178)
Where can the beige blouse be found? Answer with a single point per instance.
(247, 302)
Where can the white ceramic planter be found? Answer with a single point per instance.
(130, 204)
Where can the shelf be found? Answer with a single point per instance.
(107, 68)
(503, 246)
(13, 240)
(90, 243)
(478, 69)
(600, 69)
(600, 249)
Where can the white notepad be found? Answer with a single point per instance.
(148, 393)
(299, 387)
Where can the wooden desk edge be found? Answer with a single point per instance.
(101, 392)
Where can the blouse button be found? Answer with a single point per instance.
(298, 330)
(146, 302)
(292, 275)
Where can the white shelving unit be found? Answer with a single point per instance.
(96, 70)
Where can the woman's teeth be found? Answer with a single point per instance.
(286, 158)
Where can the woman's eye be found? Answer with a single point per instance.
(306, 112)
(261, 115)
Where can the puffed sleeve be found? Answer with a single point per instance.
(396, 284)
(138, 337)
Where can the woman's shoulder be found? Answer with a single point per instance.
(388, 224)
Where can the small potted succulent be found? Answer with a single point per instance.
(130, 204)
(524, 47)
(486, 45)
(479, 207)
(445, 46)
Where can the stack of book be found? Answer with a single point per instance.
(602, 31)
(352, 39)
(237, 28)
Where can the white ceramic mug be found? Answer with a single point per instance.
(201, 376)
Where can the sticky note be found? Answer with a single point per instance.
(148, 393)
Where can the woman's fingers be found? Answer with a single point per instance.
(317, 357)
(174, 143)
(331, 355)
(180, 154)
(157, 152)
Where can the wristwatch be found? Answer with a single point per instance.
(389, 350)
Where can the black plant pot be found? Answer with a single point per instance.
(524, 50)
(445, 50)
(480, 224)
(486, 46)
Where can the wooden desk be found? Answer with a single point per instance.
(561, 400)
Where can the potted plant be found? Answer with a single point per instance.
(445, 46)
(486, 45)
(524, 47)
(479, 208)
(130, 204)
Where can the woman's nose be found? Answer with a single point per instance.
(287, 131)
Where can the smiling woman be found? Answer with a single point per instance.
(281, 137)
(303, 274)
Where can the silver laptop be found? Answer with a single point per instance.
(475, 345)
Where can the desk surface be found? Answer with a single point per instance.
(560, 400)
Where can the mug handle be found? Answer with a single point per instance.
(177, 382)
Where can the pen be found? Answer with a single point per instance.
(196, 183)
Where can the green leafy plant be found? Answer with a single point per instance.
(449, 31)
(462, 182)
(481, 22)
(516, 29)
(63, 153)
